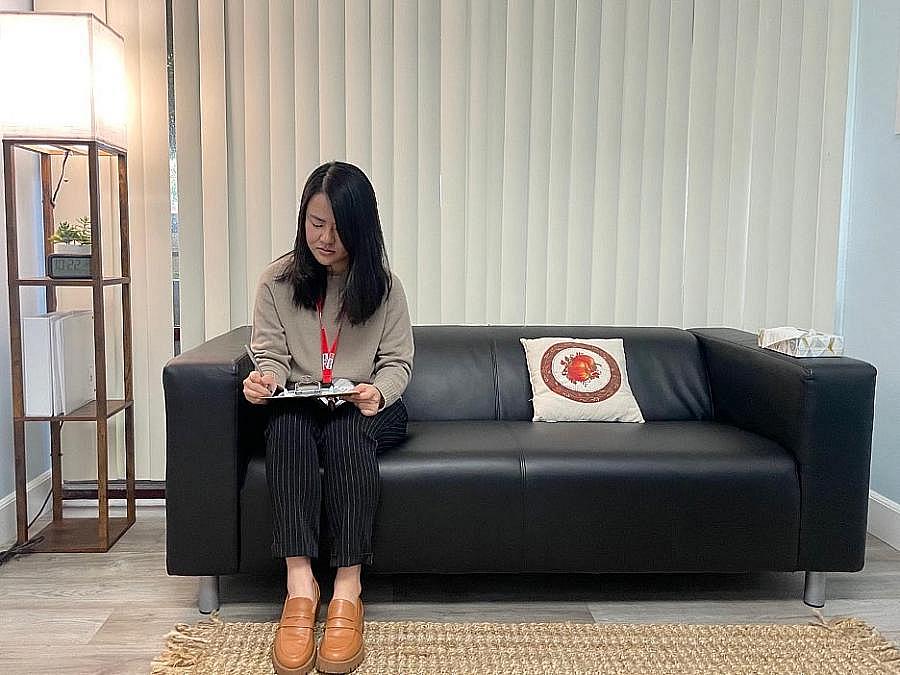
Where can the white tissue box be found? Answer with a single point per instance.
(802, 343)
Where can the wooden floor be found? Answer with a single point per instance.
(109, 613)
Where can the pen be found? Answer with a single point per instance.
(256, 365)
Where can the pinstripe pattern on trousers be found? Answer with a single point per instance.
(300, 437)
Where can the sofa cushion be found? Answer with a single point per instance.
(665, 369)
(674, 496)
(582, 380)
(479, 372)
(451, 500)
(582, 497)
(453, 375)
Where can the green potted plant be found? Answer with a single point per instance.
(72, 237)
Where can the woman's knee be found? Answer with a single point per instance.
(353, 436)
(290, 428)
(393, 428)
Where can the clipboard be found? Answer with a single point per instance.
(340, 387)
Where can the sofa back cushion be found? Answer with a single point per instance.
(665, 369)
(453, 374)
(479, 372)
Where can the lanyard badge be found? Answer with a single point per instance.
(328, 354)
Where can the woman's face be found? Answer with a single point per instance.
(322, 236)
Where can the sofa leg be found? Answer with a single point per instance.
(208, 596)
(814, 589)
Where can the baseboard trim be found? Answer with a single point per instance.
(87, 489)
(884, 519)
(36, 489)
(94, 504)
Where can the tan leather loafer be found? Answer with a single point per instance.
(294, 647)
(342, 647)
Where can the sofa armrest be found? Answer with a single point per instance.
(821, 410)
(209, 426)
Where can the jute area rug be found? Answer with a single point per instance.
(835, 646)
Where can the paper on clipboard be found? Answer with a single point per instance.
(339, 387)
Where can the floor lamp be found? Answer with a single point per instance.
(66, 95)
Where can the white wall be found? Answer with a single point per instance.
(30, 234)
(25, 201)
(870, 307)
(28, 204)
(37, 436)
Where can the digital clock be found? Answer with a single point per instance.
(68, 266)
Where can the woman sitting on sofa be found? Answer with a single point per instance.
(329, 309)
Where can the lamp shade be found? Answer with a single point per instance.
(62, 77)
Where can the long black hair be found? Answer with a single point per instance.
(355, 211)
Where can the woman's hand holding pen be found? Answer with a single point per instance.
(366, 397)
(258, 385)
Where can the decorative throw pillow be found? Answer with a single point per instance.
(576, 380)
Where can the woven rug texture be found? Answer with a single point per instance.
(839, 646)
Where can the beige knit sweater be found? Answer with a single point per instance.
(287, 342)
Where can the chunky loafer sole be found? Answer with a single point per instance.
(301, 670)
(334, 650)
(345, 666)
(310, 663)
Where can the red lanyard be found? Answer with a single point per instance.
(327, 354)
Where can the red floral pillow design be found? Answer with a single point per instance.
(580, 380)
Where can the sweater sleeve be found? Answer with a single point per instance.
(394, 357)
(268, 342)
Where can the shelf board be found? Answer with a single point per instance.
(52, 146)
(49, 281)
(79, 535)
(86, 413)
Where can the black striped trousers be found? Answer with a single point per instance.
(303, 435)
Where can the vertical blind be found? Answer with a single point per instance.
(650, 162)
(143, 26)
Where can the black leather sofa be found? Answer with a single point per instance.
(749, 460)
